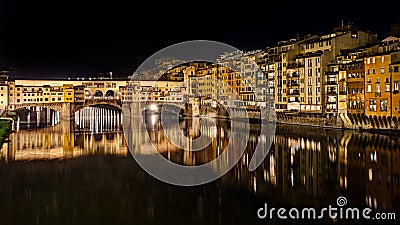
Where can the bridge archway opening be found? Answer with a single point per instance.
(88, 94)
(110, 94)
(37, 116)
(156, 108)
(102, 105)
(98, 94)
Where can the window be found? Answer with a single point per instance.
(368, 60)
(395, 69)
(309, 62)
(373, 71)
(396, 85)
(369, 88)
(387, 87)
(309, 100)
(317, 90)
(382, 70)
(384, 103)
(317, 100)
(309, 91)
(378, 80)
(373, 59)
(309, 72)
(368, 73)
(372, 105)
(309, 81)
(378, 88)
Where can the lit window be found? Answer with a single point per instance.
(378, 88)
(384, 103)
(372, 105)
(383, 59)
(387, 87)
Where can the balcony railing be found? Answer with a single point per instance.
(331, 83)
(293, 93)
(331, 73)
(291, 84)
(331, 93)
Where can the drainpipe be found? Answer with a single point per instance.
(391, 91)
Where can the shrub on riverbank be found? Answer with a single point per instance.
(5, 130)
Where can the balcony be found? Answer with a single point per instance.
(335, 62)
(296, 92)
(331, 83)
(295, 74)
(331, 93)
(292, 84)
(330, 73)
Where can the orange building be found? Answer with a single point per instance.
(395, 78)
(377, 85)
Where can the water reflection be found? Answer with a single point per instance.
(305, 167)
(66, 139)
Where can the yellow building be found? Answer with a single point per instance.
(57, 94)
(68, 90)
(46, 94)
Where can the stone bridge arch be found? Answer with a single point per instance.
(54, 106)
(93, 104)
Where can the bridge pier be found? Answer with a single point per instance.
(67, 111)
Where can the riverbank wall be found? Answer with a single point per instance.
(340, 121)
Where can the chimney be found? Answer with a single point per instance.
(395, 30)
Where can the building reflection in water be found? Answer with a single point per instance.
(95, 131)
(313, 166)
(305, 166)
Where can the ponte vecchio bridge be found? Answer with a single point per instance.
(69, 96)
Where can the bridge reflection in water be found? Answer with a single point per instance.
(305, 167)
(95, 131)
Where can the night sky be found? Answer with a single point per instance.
(57, 39)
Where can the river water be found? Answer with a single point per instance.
(81, 172)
